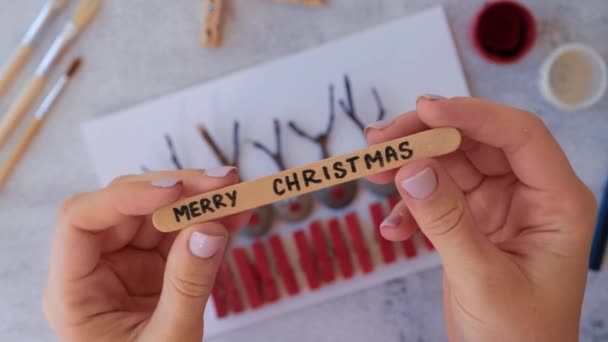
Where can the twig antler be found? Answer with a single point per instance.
(348, 107)
(322, 139)
(174, 157)
(221, 156)
(278, 155)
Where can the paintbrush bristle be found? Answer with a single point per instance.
(74, 67)
(86, 11)
(58, 4)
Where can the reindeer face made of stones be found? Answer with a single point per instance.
(261, 218)
(294, 209)
(337, 196)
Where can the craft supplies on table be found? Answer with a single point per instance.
(24, 51)
(83, 16)
(36, 123)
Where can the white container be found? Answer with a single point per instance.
(573, 77)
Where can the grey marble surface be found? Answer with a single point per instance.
(141, 49)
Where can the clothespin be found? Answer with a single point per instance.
(212, 30)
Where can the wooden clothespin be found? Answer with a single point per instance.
(212, 29)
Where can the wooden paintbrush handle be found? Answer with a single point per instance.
(20, 108)
(305, 179)
(16, 155)
(13, 67)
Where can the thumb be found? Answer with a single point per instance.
(440, 209)
(190, 272)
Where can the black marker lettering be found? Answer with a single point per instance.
(195, 211)
(206, 206)
(352, 161)
(181, 211)
(326, 173)
(407, 153)
(218, 201)
(309, 177)
(375, 158)
(390, 153)
(275, 186)
(340, 170)
(291, 183)
(232, 197)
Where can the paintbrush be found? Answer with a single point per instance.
(45, 107)
(19, 59)
(84, 15)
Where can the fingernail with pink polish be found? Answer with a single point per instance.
(430, 97)
(205, 246)
(220, 172)
(391, 221)
(165, 183)
(380, 124)
(421, 185)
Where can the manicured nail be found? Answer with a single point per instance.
(220, 172)
(380, 124)
(391, 221)
(205, 246)
(421, 185)
(430, 97)
(165, 183)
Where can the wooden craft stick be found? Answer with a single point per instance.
(305, 179)
(212, 30)
(305, 2)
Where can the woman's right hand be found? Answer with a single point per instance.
(507, 214)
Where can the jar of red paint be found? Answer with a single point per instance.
(503, 31)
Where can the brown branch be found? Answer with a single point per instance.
(174, 157)
(321, 139)
(221, 156)
(276, 156)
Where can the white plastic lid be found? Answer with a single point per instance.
(573, 77)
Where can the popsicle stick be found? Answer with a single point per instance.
(18, 111)
(212, 30)
(305, 179)
(13, 67)
(22, 146)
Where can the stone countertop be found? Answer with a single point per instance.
(141, 49)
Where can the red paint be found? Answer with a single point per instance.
(340, 250)
(248, 275)
(294, 207)
(393, 201)
(307, 260)
(409, 249)
(503, 31)
(337, 192)
(255, 219)
(219, 298)
(427, 242)
(326, 266)
(233, 297)
(283, 266)
(354, 230)
(262, 265)
(386, 247)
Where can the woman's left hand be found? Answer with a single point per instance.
(113, 277)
